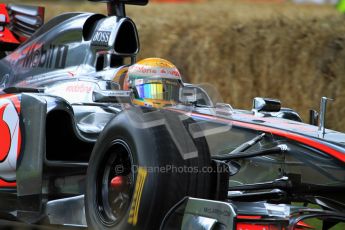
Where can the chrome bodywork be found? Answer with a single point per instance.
(205, 214)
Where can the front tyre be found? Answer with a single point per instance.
(131, 183)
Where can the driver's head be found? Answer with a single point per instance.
(155, 82)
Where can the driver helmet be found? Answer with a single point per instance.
(155, 82)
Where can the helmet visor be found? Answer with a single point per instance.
(161, 89)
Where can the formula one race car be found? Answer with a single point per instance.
(75, 150)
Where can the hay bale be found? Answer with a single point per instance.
(294, 53)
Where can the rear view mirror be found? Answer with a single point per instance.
(188, 95)
(266, 105)
(193, 94)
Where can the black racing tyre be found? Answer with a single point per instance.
(137, 171)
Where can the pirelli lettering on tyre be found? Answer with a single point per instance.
(101, 38)
(139, 185)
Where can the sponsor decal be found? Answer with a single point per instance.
(73, 92)
(52, 57)
(10, 140)
(101, 38)
(143, 69)
(217, 212)
(150, 71)
(139, 185)
(79, 88)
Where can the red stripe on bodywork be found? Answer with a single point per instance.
(5, 184)
(292, 136)
(15, 99)
(295, 137)
(248, 217)
(5, 95)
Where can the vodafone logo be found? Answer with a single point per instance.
(10, 139)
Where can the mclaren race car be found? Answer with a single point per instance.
(75, 150)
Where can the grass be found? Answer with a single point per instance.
(317, 223)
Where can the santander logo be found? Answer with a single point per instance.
(9, 140)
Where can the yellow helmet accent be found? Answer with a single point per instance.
(120, 77)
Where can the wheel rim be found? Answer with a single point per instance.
(115, 183)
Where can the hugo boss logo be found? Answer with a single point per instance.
(101, 38)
